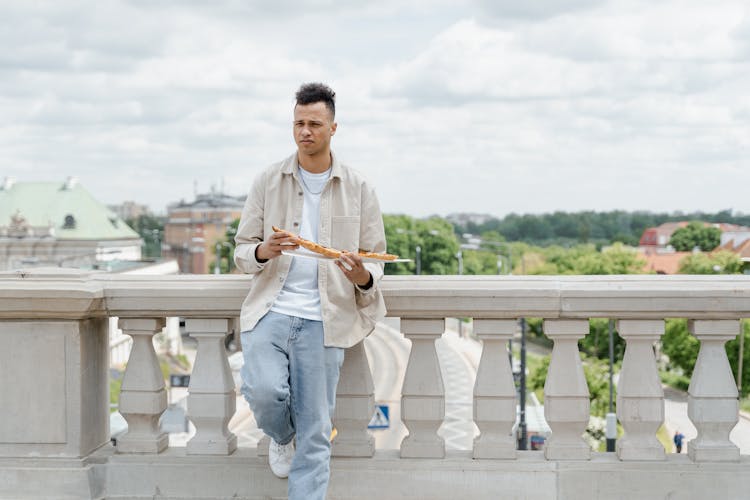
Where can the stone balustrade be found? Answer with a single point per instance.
(54, 440)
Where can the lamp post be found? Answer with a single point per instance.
(475, 243)
(611, 428)
(418, 248)
(418, 269)
(155, 234)
(522, 435)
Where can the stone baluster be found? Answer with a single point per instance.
(423, 397)
(354, 406)
(211, 394)
(640, 398)
(143, 397)
(494, 391)
(566, 395)
(712, 396)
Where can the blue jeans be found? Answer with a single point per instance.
(289, 379)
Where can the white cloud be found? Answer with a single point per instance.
(534, 10)
(581, 104)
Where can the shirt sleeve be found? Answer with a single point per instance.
(371, 239)
(250, 230)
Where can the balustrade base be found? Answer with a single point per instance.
(423, 449)
(243, 475)
(146, 444)
(220, 446)
(500, 448)
(637, 451)
(713, 453)
(567, 451)
(353, 448)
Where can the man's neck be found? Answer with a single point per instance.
(315, 164)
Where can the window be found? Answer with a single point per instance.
(70, 222)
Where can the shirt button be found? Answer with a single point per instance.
(268, 304)
(296, 224)
(300, 193)
(281, 279)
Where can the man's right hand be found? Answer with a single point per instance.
(272, 247)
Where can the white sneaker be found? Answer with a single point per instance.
(280, 458)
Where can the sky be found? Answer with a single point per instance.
(483, 106)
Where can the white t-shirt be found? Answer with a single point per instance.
(300, 295)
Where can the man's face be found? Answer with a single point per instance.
(313, 128)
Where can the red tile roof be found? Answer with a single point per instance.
(662, 263)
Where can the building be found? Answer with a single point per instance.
(60, 224)
(658, 237)
(736, 235)
(662, 262)
(194, 228)
(129, 210)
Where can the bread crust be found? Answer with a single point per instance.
(330, 252)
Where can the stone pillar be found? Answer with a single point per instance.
(712, 396)
(640, 398)
(354, 406)
(211, 395)
(143, 397)
(566, 395)
(494, 391)
(423, 397)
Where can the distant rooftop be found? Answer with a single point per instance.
(65, 208)
(211, 200)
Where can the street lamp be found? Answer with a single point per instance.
(155, 234)
(475, 243)
(522, 434)
(611, 429)
(418, 249)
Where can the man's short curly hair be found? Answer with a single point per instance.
(310, 93)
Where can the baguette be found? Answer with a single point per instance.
(330, 252)
(311, 245)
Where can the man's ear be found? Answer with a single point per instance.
(333, 128)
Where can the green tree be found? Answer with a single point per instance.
(151, 229)
(694, 235)
(596, 343)
(584, 259)
(733, 348)
(226, 249)
(597, 379)
(721, 262)
(681, 347)
(434, 236)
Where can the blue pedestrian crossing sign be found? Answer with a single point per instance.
(380, 419)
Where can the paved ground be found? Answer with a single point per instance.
(676, 418)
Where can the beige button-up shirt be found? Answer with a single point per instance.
(350, 220)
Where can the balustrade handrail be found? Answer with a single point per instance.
(79, 294)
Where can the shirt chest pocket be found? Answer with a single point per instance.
(345, 232)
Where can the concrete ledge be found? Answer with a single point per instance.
(243, 475)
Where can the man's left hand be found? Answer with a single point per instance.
(353, 268)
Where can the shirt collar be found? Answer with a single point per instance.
(290, 165)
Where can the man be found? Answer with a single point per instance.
(301, 312)
(678, 437)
